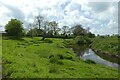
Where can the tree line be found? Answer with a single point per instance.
(44, 28)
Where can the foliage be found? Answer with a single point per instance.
(39, 20)
(108, 44)
(14, 28)
(82, 40)
(90, 35)
(34, 31)
(53, 27)
(65, 30)
(78, 30)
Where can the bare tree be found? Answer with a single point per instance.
(45, 29)
(65, 30)
(39, 20)
(45, 25)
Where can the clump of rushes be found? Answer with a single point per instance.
(89, 61)
(53, 69)
(56, 59)
(48, 41)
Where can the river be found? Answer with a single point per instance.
(84, 52)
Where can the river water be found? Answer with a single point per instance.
(84, 52)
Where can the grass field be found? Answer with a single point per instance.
(0, 46)
(0, 56)
(33, 58)
(106, 44)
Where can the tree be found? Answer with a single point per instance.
(39, 20)
(53, 27)
(78, 30)
(65, 30)
(88, 30)
(32, 32)
(14, 28)
(45, 26)
(91, 35)
(45, 29)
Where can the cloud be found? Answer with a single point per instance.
(112, 24)
(101, 17)
(99, 6)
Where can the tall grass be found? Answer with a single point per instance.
(33, 58)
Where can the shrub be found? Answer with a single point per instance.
(82, 40)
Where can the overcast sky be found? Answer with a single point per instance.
(101, 17)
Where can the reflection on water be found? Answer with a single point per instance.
(89, 54)
(86, 53)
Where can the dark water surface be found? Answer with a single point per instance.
(84, 52)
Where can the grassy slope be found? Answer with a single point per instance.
(0, 46)
(106, 44)
(31, 59)
(0, 56)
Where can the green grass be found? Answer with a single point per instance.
(0, 56)
(0, 46)
(106, 44)
(33, 58)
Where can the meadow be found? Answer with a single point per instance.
(0, 56)
(34, 58)
(108, 45)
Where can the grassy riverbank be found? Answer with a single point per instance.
(0, 46)
(108, 45)
(33, 58)
(0, 56)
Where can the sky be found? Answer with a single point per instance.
(101, 16)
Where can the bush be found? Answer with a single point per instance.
(82, 40)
